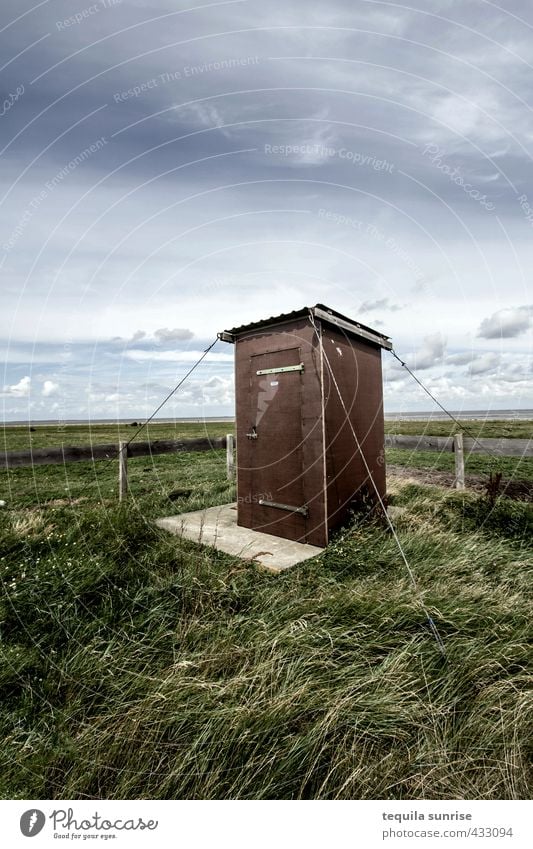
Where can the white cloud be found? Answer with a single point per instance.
(477, 363)
(314, 141)
(179, 334)
(462, 359)
(139, 355)
(218, 390)
(207, 115)
(506, 324)
(20, 389)
(380, 304)
(431, 352)
(50, 388)
(394, 376)
(489, 178)
(484, 363)
(447, 387)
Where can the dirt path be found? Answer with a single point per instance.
(519, 490)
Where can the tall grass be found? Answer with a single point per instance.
(137, 665)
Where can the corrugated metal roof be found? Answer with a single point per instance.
(321, 312)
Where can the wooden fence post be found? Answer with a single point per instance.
(122, 470)
(459, 461)
(230, 463)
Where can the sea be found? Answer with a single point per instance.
(390, 415)
(462, 415)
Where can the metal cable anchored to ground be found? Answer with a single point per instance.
(432, 626)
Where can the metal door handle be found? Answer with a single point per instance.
(253, 433)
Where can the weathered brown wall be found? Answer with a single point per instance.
(356, 366)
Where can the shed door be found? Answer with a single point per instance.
(270, 453)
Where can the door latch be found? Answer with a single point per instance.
(253, 433)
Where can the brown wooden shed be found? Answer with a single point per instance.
(303, 380)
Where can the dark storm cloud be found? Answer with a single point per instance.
(389, 145)
(182, 44)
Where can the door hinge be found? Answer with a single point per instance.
(304, 511)
(281, 369)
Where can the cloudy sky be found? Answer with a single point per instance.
(170, 169)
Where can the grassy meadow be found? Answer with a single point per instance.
(42, 436)
(512, 468)
(138, 665)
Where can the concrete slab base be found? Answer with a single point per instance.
(217, 527)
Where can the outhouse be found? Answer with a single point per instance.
(309, 421)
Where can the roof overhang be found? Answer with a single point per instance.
(320, 312)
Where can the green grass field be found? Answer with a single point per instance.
(512, 468)
(138, 665)
(43, 436)
(98, 481)
(516, 429)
